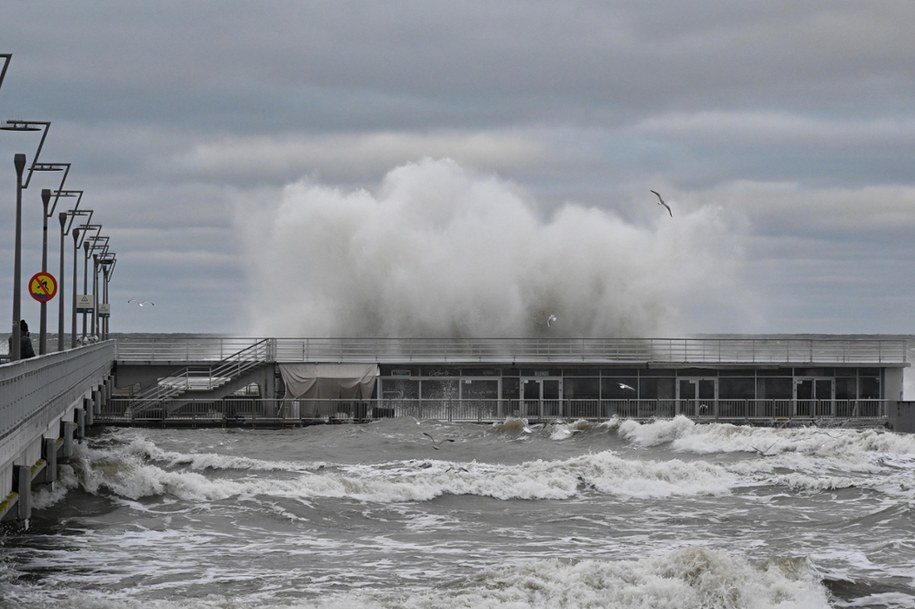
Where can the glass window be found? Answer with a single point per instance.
(581, 372)
(846, 388)
(869, 388)
(619, 388)
(733, 388)
(774, 389)
(511, 389)
(400, 389)
(629, 373)
(581, 388)
(657, 388)
(440, 390)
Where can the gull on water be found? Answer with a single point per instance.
(661, 202)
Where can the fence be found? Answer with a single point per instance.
(495, 350)
(28, 386)
(276, 412)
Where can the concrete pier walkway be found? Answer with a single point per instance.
(45, 405)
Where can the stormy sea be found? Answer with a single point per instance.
(401, 513)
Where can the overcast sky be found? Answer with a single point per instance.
(438, 168)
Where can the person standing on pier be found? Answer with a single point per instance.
(25, 341)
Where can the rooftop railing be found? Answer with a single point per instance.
(878, 351)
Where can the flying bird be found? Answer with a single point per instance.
(434, 442)
(661, 202)
(550, 321)
(141, 303)
(626, 387)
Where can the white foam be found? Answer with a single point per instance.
(440, 250)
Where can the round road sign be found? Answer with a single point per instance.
(42, 286)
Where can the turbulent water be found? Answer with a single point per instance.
(401, 513)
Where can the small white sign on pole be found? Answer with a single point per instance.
(104, 309)
(84, 303)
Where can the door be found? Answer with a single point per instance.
(697, 396)
(813, 397)
(541, 397)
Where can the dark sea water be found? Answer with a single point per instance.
(400, 513)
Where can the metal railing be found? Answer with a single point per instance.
(205, 378)
(28, 386)
(245, 410)
(751, 350)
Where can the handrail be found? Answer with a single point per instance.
(749, 350)
(772, 411)
(27, 386)
(170, 388)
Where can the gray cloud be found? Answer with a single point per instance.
(795, 118)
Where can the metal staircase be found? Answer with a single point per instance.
(201, 378)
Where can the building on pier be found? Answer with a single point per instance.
(735, 379)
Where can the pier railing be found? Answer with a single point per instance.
(751, 350)
(240, 410)
(28, 386)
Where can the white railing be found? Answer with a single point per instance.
(279, 412)
(534, 350)
(28, 386)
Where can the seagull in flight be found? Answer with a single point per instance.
(550, 321)
(141, 303)
(661, 202)
(626, 387)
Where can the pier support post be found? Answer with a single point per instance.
(67, 430)
(49, 452)
(80, 414)
(89, 409)
(24, 488)
(105, 394)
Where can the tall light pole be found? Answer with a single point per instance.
(100, 243)
(19, 164)
(108, 262)
(84, 240)
(47, 213)
(63, 216)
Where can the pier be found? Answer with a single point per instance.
(47, 402)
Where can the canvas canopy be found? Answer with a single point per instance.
(329, 381)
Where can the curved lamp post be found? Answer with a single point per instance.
(6, 63)
(47, 213)
(99, 243)
(19, 164)
(62, 217)
(108, 262)
(83, 242)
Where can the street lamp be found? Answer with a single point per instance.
(45, 200)
(62, 217)
(84, 243)
(108, 262)
(6, 62)
(20, 125)
(103, 240)
(19, 164)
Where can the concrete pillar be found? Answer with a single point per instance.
(24, 488)
(89, 410)
(80, 423)
(67, 430)
(49, 452)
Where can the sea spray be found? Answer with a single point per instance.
(438, 250)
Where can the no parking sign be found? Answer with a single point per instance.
(42, 286)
